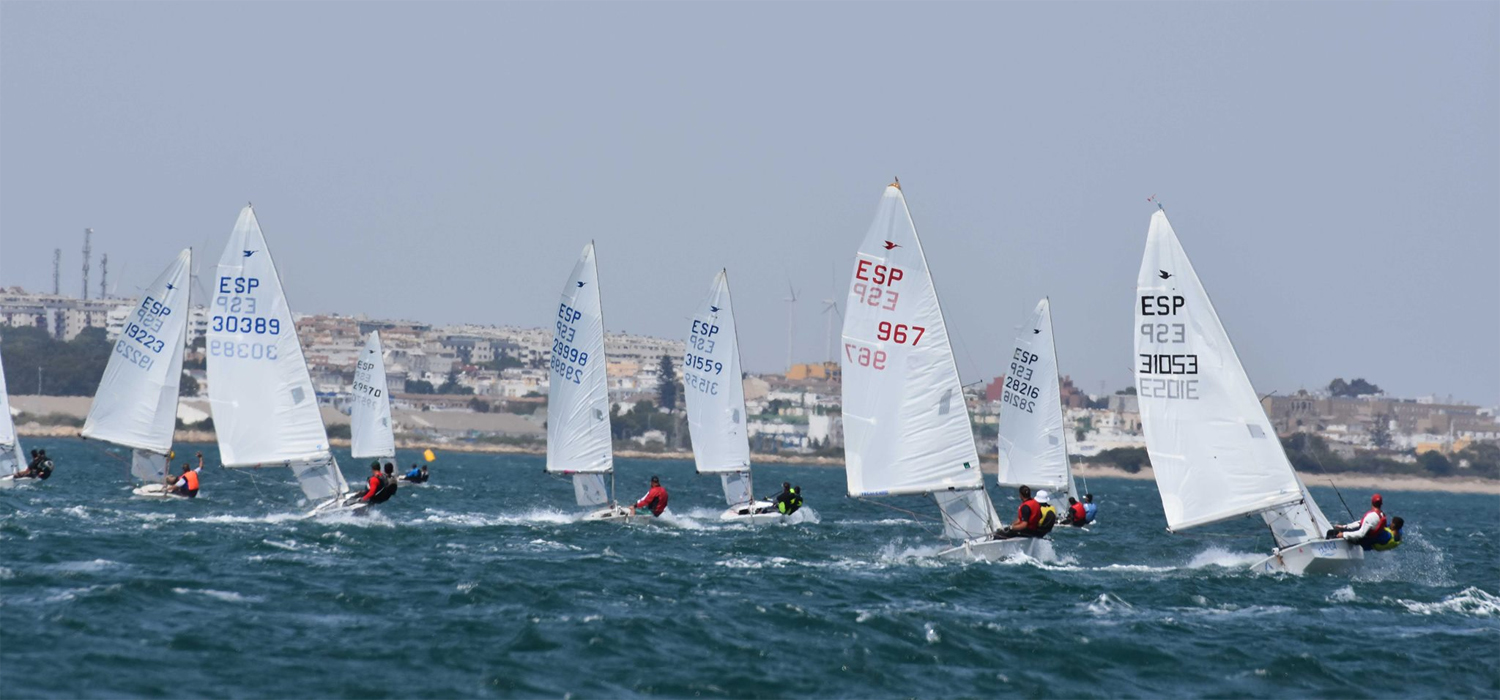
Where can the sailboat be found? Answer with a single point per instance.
(264, 409)
(1033, 445)
(578, 428)
(11, 458)
(906, 425)
(136, 404)
(1213, 451)
(370, 429)
(715, 396)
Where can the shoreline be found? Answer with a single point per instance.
(1350, 480)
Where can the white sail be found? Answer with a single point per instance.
(1213, 451)
(906, 426)
(370, 415)
(578, 431)
(11, 459)
(264, 409)
(714, 391)
(136, 403)
(1033, 445)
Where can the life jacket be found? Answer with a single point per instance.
(1080, 514)
(46, 469)
(387, 489)
(1036, 513)
(192, 482)
(1047, 519)
(1374, 531)
(1091, 510)
(1389, 539)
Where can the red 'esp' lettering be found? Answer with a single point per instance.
(870, 271)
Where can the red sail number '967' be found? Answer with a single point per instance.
(865, 357)
(899, 332)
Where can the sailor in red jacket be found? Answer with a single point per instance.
(374, 483)
(655, 499)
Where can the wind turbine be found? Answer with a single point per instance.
(791, 306)
(831, 304)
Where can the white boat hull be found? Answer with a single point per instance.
(1039, 548)
(764, 513)
(623, 514)
(1319, 557)
(340, 504)
(155, 491)
(10, 481)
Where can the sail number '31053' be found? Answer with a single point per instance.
(1165, 375)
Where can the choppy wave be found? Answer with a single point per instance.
(1472, 602)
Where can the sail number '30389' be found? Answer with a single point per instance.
(236, 309)
(1165, 375)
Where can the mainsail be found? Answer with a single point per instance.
(136, 403)
(11, 460)
(264, 409)
(715, 393)
(1033, 444)
(1212, 448)
(370, 415)
(906, 425)
(578, 430)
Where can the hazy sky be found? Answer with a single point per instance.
(1333, 168)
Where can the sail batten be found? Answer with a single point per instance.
(135, 405)
(1213, 451)
(906, 423)
(578, 427)
(1032, 440)
(370, 429)
(264, 407)
(713, 388)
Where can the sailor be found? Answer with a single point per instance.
(43, 468)
(1369, 525)
(372, 486)
(655, 499)
(1028, 517)
(789, 500)
(1090, 510)
(388, 485)
(1049, 515)
(31, 467)
(1389, 537)
(1077, 514)
(187, 484)
(425, 475)
(414, 476)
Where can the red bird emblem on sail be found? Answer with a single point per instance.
(889, 245)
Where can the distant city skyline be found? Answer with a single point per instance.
(1332, 170)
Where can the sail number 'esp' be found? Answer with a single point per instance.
(874, 286)
(236, 311)
(1164, 375)
(567, 361)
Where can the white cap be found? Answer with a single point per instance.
(1042, 495)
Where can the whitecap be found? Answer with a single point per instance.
(1472, 601)
(1218, 556)
(930, 633)
(227, 596)
(1108, 603)
(1345, 594)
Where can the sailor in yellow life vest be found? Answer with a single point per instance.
(1388, 538)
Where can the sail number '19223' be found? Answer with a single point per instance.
(1165, 375)
(568, 362)
(150, 317)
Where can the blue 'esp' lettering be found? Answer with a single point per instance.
(238, 285)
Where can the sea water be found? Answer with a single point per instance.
(483, 584)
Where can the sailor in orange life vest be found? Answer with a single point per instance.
(655, 499)
(187, 484)
(1368, 526)
(1077, 514)
(1034, 518)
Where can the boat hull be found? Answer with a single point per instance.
(764, 513)
(998, 550)
(622, 514)
(10, 481)
(340, 504)
(155, 491)
(1319, 557)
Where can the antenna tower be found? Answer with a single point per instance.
(88, 247)
(56, 271)
(104, 276)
